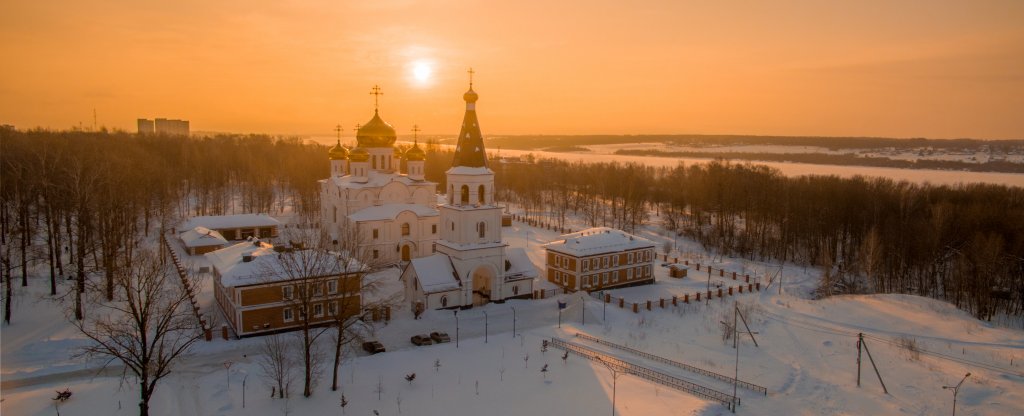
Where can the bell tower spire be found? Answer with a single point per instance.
(470, 150)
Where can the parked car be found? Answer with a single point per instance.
(440, 337)
(421, 340)
(373, 347)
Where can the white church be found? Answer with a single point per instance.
(393, 214)
(472, 265)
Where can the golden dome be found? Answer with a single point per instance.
(338, 152)
(415, 154)
(470, 96)
(376, 133)
(359, 155)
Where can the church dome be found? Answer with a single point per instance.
(360, 155)
(415, 154)
(470, 96)
(338, 152)
(376, 133)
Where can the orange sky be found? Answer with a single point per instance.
(879, 68)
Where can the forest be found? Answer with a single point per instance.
(90, 193)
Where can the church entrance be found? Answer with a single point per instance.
(483, 276)
(405, 253)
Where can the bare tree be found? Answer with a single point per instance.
(277, 363)
(148, 326)
(313, 275)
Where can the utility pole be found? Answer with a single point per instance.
(862, 344)
(736, 345)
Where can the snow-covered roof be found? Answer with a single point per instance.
(679, 266)
(522, 267)
(267, 266)
(391, 211)
(374, 179)
(435, 273)
(202, 237)
(222, 222)
(467, 170)
(598, 240)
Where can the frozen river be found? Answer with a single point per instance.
(939, 177)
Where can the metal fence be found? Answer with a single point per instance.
(646, 373)
(687, 367)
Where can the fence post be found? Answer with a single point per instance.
(674, 303)
(758, 284)
(661, 303)
(748, 278)
(733, 275)
(721, 272)
(686, 298)
(719, 292)
(648, 305)
(607, 298)
(730, 291)
(635, 308)
(698, 297)
(622, 303)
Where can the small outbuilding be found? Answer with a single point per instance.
(202, 240)
(237, 227)
(678, 270)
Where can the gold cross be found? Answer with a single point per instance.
(338, 130)
(376, 95)
(357, 128)
(471, 72)
(415, 129)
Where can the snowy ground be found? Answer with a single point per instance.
(806, 357)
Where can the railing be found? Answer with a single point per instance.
(687, 367)
(646, 373)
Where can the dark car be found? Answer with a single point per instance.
(440, 337)
(421, 340)
(373, 347)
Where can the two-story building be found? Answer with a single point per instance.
(258, 294)
(600, 258)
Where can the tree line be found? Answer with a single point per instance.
(963, 244)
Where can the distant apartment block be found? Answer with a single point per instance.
(163, 126)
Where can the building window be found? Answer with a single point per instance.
(629, 258)
(464, 198)
(604, 262)
(647, 271)
(604, 278)
(288, 317)
(332, 309)
(480, 194)
(586, 265)
(615, 260)
(565, 279)
(481, 228)
(515, 289)
(405, 228)
(629, 274)
(332, 286)
(593, 263)
(376, 254)
(444, 301)
(335, 215)
(615, 276)
(318, 310)
(286, 292)
(318, 290)
(376, 233)
(433, 228)
(302, 313)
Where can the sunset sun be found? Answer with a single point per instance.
(422, 72)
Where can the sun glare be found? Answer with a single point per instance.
(422, 72)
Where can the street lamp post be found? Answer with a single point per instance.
(583, 309)
(513, 322)
(485, 327)
(615, 378)
(956, 389)
(456, 328)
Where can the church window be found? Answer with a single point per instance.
(376, 254)
(375, 162)
(335, 215)
(444, 301)
(481, 228)
(433, 228)
(453, 225)
(376, 233)
(515, 289)
(405, 228)
(464, 198)
(480, 194)
(451, 194)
